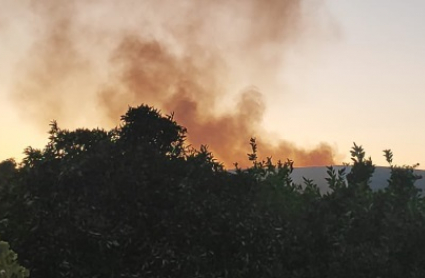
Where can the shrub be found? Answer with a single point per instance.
(9, 267)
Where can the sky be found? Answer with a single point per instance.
(329, 74)
(367, 85)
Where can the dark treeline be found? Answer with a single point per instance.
(137, 201)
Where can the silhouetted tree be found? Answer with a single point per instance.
(137, 201)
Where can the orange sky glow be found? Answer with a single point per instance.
(306, 78)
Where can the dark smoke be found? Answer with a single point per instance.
(199, 59)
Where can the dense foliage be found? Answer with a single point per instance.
(136, 201)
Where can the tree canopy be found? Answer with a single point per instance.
(138, 201)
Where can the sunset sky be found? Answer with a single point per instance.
(338, 72)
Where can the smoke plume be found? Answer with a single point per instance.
(209, 62)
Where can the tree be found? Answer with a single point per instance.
(137, 201)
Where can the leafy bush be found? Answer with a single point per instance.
(136, 201)
(9, 267)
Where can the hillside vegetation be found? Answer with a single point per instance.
(137, 201)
